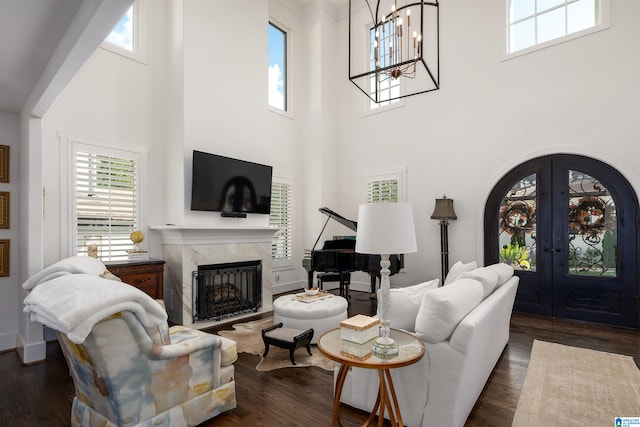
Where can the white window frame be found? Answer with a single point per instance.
(386, 105)
(288, 81)
(140, 32)
(398, 174)
(603, 24)
(283, 263)
(69, 145)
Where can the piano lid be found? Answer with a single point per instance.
(352, 225)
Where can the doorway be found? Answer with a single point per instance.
(569, 226)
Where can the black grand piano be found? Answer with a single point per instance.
(339, 256)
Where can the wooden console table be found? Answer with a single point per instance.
(146, 275)
(411, 350)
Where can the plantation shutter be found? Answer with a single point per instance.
(106, 207)
(382, 190)
(281, 217)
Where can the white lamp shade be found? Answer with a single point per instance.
(385, 228)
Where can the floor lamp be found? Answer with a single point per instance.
(444, 212)
(384, 229)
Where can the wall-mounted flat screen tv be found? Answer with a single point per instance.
(231, 186)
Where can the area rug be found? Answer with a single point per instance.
(569, 386)
(248, 337)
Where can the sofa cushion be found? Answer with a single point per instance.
(442, 309)
(457, 269)
(405, 303)
(504, 272)
(487, 277)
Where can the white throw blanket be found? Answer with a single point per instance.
(74, 303)
(66, 266)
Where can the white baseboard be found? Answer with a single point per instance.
(32, 353)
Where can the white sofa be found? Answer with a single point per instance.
(464, 326)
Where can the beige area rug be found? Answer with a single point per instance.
(248, 337)
(569, 386)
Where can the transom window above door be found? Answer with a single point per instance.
(535, 24)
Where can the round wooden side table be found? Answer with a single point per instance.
(411, 350)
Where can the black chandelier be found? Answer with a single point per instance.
(394, 41)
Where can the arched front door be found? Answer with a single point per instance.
(569, 225)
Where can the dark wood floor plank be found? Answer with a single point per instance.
(40, 395)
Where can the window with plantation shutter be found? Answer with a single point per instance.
(384, 190)
(281, 216)
(106, 201)
(385, 186)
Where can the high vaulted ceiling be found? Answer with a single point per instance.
(30, 33)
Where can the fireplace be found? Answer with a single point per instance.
(187, 248)
(226, 290)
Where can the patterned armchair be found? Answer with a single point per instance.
(126, 374)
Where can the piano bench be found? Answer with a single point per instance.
(343, 278)
(287, 338)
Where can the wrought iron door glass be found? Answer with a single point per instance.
(592, 227)
(517, 219)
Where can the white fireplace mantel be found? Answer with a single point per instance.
(187, 247)
(202, 235)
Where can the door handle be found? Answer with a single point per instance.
(558, 249)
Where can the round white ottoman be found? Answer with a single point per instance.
(322, 315)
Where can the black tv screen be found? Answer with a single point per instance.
(230, 186)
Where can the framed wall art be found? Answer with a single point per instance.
(4, 209)
(4, 257)
(4, 163)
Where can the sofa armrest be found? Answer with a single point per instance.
(491, 326)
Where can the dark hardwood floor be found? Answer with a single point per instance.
(41, 394)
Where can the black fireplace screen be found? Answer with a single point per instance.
(225, 290)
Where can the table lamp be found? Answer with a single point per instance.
(385, 229)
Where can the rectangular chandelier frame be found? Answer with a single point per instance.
(372, 63)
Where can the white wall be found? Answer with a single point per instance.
(116, 100)
(490, 115)
(225, 91)
(10, 286)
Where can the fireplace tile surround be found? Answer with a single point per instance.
(187, 247)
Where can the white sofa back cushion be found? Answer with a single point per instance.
(486, 276)
(405, 303)
(504, 272)
(442, 309)
(457, 269)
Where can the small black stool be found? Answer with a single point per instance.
(288, 338)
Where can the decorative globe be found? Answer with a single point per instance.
(137, 237)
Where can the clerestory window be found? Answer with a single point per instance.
(388, 88)
(538, 23)
(128, 36)
(277, 67)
